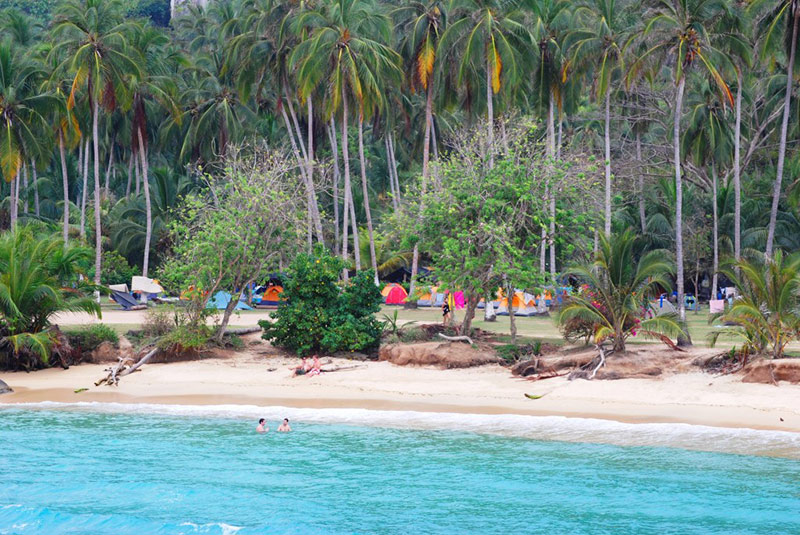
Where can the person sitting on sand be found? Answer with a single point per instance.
(262, 426)
(284, 427)
(316, 367)
(303, 368)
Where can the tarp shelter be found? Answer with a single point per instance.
(146, 286)
(397, 296)
(403, 274)
(221, 299)
(125, 300)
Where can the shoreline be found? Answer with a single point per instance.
(260, 378)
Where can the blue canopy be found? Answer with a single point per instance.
(221, 299)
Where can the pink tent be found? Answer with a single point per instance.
(396, 296)
(458, 298)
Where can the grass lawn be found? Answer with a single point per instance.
(545, 329)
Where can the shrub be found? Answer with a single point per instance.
(159, 320)
(319, 314)
(116, 269)
(89, 338)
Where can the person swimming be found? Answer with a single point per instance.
(284, 427)
(262, 426)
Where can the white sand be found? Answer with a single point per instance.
(244, 378)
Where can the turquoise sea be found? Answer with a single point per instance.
(114, 470)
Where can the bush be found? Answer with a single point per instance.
(320, 315)
(159, 320)
(90, 338)
(185, 339)
(116, 269)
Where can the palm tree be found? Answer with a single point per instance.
(23, 112)
(678, 30)
(488, 35)
(620, 287)
(782, 12)
(422, 25)
(37, 274)
(94, 37)
(348, 46)
(766, 314)
(599, 44)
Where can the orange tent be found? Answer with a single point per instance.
(518, 301)
(396, 296)
(272, 295)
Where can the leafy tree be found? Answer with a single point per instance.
(320, 315)
(618, 293)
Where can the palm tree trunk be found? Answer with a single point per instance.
(85, 187)
(715, 230)
(148, 235)
(489, 112)
(393, 163)
(130, 175)
(543, 247)
(314, 206)
(110, 164)
(98, 234)
(737, 184)
(787, 100)
(336, 175)
(348, 193)
(303, 166)
(552, 236)
(35, 189)
(607, 135)
(559, 137)
(65, 185)
(373, 258)
(676, 142)
(136, 172)
(551, 129)
(426, 158)
(642, 213)
(14, 200)
(389, 170)
(25, 186)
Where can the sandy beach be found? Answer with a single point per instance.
(253, 377)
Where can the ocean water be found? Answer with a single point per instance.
(118, 470)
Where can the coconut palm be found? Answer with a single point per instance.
(23, 116)
(619, 289)
(678, 31)
(599, 44)
(488, 36)
(348, 45)
(94, 39)
(779, 15)
(422, 25)
(767, 314)
(38, 278)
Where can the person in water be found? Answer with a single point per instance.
(284, 427)
(262, 426)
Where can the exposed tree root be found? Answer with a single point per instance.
(123, 367)
(466, 339)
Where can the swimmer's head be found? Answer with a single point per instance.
(261, 421)
(286, 420)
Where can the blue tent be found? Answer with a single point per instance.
(221, 299)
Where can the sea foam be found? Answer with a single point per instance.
(743, 441)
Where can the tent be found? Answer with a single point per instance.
(388, 288)
(271, 296)
(147, 287)
(428, 298)
(221, 299)
(519, 305)
(662, 305)
(397, 296)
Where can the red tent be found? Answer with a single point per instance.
(396, 296)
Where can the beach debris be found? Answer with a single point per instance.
(4, 388)
(595, 364)
(79, 390)
(534, 396)
(123, 367)
(466, 339)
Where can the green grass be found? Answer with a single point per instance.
(545, 329)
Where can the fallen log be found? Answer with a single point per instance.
(124, 367)
(242, 330)
(141, 362)
(466, 339)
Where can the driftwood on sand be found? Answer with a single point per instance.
(123, 367)
(466, 339)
